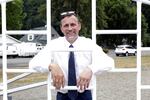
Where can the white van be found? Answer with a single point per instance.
(11, 50)
(26, 49)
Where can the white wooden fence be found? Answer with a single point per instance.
(26, 72)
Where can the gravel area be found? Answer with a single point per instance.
(145, 81)
(110, 86)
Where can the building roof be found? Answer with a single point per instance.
(10, 39)
(40, 38)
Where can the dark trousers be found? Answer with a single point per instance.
(86, 95)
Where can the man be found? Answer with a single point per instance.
(87, 60)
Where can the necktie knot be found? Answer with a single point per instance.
(71, 46)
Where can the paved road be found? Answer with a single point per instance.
(111, 53)
(23, 62)
(16, 62)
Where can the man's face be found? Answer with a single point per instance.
(70, 27)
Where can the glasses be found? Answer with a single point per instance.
(68, 13)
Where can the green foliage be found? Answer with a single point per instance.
(0, 20)
(15, 15)
(146, 23)
(146, 40)
(35, 13)
(110, 14)
(85, 13)
(121, 14)
(42, 12)
(101, 17)
(145, 11)
(118, 14)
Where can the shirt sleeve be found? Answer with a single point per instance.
(100, 61)
(41, 61)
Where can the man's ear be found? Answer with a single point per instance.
(79, 25)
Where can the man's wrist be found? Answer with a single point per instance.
(89, 67)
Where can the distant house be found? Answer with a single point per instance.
(28, 45)
(40, 39)
(9, 40)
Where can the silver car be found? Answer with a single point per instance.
(125, 50)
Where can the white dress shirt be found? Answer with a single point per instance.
(88, 54)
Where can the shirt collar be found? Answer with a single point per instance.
(74, 44)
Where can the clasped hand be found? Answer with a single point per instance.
(59, 79)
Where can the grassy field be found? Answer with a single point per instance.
(125, 62)
(145, 61)
(120, 62)
(130, 62)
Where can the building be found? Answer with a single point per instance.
(9, 40)
(28, 45)
(39, 39)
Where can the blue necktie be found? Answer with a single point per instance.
(72, 94)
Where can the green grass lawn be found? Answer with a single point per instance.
(120, 62)
(125, 62)
(145, 61)
(130, 62)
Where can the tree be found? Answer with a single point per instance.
(110, 14)
(85, 12)
(146, 33)
(42, 13)
(35, 14)
(101, 17)
(14, 14)
(145, 11)
(117, 14)
(0, 21)
(121, 14)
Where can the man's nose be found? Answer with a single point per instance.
(70, 27)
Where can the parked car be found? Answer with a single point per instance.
(125, 50)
